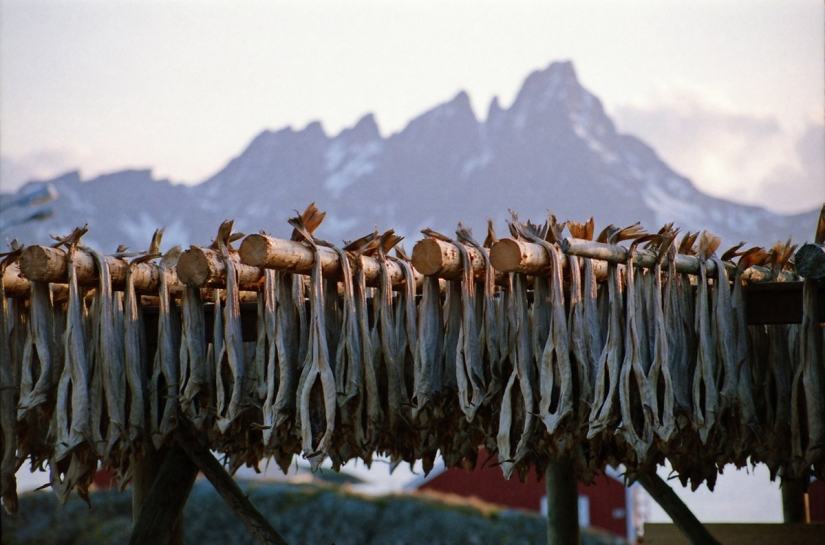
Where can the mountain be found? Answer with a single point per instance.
(553, 149)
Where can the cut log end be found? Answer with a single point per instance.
(254, 250)
(427, 257)
(193, 267)
(42, 263)
(506, 255)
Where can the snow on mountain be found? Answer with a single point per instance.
(553, 149)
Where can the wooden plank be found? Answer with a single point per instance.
(162, 508)
(229, 490)
(741, 534)
(688, 526)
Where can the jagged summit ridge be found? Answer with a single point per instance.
(553, 148)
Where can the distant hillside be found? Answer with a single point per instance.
(305, 514)
(553, 149)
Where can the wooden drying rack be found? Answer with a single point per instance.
(162, 480)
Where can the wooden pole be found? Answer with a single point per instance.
(646, 258)
(795, 502)
(205, 267)
(160, 510)
(431, 256)
(48, 264)
(229, 490)
(14, 284)
(682, 517)
(288, 255)
(562, 504)
(511, 255)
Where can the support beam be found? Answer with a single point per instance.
(291, 256)
(48, 264)
(562, 504)
(511, 255)
(682, 517)
(160, 518)
(205, 267)
(431, 256)
(229, 490)
(645, 258)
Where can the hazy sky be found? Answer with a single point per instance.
(729, 93)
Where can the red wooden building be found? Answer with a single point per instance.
(607, 504)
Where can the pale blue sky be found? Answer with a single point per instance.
(730, 93)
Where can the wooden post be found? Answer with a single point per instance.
(159, 517)
(562, 504)
(795, 502)
(229, 490)
(682, 517)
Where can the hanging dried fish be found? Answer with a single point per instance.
(555, 369)
(135, 358)
(808, 385)
(166, 366)
(705, 392)
(635, 393)
(427, 391)
(660, 376)
(583, 323)
(73, 410)
(316, 369)
(397, 400)
(605, 411)
(749, 420)
(109, 362)
(518, 405)
(370, 406)
(679, 318)
(195, 386)
(8, 396)
(490, 351)
(469, 372)
(39, 353)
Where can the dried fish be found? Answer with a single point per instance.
(135, 359)
(8, 398)
(705, 392)
(73, 410)
(195, 385)
(39, 353)
(166, 365)
(518, 404)
(469, 372)
(230, 371)
(490, 350)
(109, 364)
(316, 369)
(635, 394)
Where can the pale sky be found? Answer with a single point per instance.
(730, 93)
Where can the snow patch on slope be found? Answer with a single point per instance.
(347, 164)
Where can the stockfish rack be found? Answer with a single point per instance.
(561, 354)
